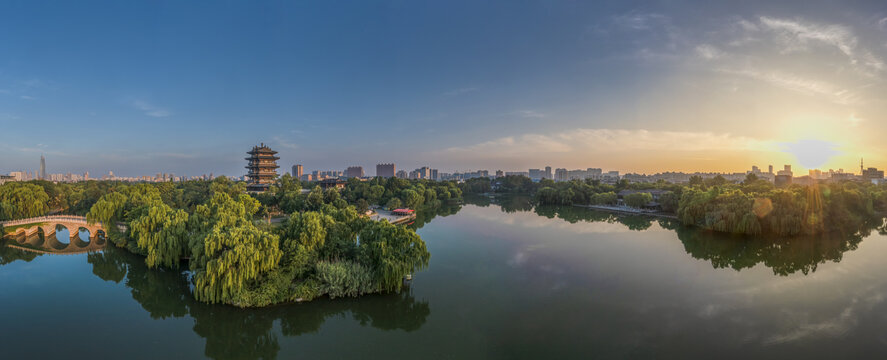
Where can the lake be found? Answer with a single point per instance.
(506, 281)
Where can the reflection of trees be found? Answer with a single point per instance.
(515, 203)
(784, 255)
(107, 266)
(425, 216)
(9, 255)
(234, 333)
(573, 214)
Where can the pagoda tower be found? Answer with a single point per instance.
(262, 168)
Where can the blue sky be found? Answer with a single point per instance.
(144, 87)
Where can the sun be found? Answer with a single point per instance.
(812, 153)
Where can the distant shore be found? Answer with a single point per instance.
(628, 210)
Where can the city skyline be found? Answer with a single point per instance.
(632, 86)
(299, 171)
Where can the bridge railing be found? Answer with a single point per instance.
(52, 218)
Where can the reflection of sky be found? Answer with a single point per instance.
(660, 292)
(499, 285)
(528, 219)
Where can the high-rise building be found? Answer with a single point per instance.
(434, 175)
(421, 173)
(42, 175)
(548, 174)
(298, 171)
(354, 172)
(770, 169)
(262, 168)
(871, 174)
(386, 170)
(402, 174)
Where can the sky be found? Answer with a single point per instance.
(636, 86)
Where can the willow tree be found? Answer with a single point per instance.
(108, 209)
(162, 233)
(22, 200)
(229, 251)
(392, 252)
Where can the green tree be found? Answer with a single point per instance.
(232, 252)
(637, 200)
(163, 234)
(22, 200)
(393, 252)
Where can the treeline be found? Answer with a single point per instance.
(286, 195)
(752, 207)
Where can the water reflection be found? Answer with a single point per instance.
(783, 255)
(233, 333)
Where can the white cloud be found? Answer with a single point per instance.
(708, 52)
(832, 92)
(798, 35)
(150, 109)
(26, 97)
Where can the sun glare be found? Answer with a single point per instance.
(811, 153)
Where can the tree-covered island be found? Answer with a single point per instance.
(323, 245)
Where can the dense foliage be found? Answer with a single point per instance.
(322, 246)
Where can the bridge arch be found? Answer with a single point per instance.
(39, 233)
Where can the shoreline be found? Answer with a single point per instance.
(627, 211)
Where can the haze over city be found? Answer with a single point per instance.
(626, 86)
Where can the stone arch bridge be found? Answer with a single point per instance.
(25, 233)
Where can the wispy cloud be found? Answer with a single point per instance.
(610, 140)
(833, 93)
(531, 114)
(799, 35)
(26, 97)
(640, 21)
(285, 144)
(461, 91)
(708, 52)
(150, 109)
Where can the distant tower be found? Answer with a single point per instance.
(262, 168)
(298, 171)
(42, 174)
(861, 167)
(770, 169)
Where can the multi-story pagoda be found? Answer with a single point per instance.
(262, 168)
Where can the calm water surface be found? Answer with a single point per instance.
(505, 281)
